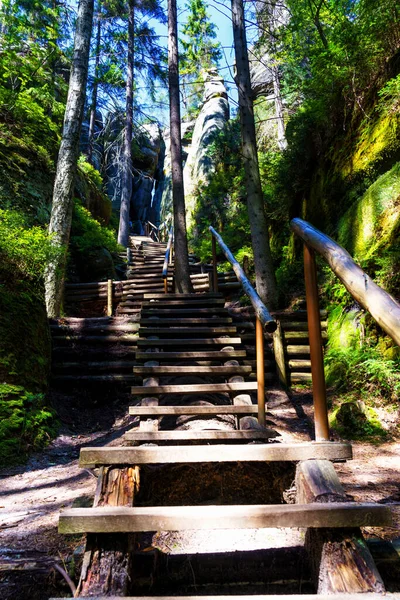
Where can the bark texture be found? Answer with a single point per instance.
(265, 277)
(93, 108)
(61, 210)
(182, 275)
(126, 187)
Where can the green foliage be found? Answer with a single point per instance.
(390, 96)
(26, 423)
(200, 53)
(88, 233)
(90, 172)
(24, 250)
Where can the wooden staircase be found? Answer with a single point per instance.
(197, 407)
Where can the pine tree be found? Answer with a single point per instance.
(199, 53)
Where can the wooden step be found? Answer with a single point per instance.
(217, 355)
(193, 370)
(199, 301)
(111, 378)
(104, 365)
(163, 411)
(98, 339)
(166, 322)
(222, 341)
(211, 436)
(298, 363)
(201, 331)
(116, 519)
(122, 455)
(183, 296)
(198, 388)
(182, 311)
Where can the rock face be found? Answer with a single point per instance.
(213, 116)
(146, 148)
(262, 83)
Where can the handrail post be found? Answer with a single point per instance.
(109, 298)
(316, 355)
(214, 259)
(260, 371)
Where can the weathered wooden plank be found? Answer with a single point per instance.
(225, 341)
(92, 457)
(212, 354)
(198, 370)
(226, 409)
(195, 300)
(180, 518)
(182, 296)
(340, 559)
(185, 321)
(183, 311)
(200, 331)
(205, 388)
(205, 435)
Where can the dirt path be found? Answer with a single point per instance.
(32, 495)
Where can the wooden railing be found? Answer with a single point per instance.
(168, 258)
(381, 305)
(152, 231)
(264, 320)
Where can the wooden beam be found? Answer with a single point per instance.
(226, 409)
(121, 455)
(387, 596)
(340, 559)
(205, 435)
(181, 518)
(205, 388)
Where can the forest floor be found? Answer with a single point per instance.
(32, 495)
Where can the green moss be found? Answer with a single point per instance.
(26, 423)
(370, 222)
(355, 423)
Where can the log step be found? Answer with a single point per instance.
(182, 296)
(197, 370)
(111, 378)
(193, 301)
(198, 388)
(182, 311)
(103, 365)
(201, 331)
(166, 322)
(218, 355)
(222, 341)
(116, 519)
(121, 455)
(205, 435)
(98, 339)
(225, 409)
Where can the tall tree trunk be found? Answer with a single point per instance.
(93, 107)
(182, 275)
(265, 277)
(126, 188)
(61, 210)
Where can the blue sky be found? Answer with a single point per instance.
(219, 11)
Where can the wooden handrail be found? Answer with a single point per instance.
(167, 259)
(262, 313)
(381, 305)
(264, 321)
